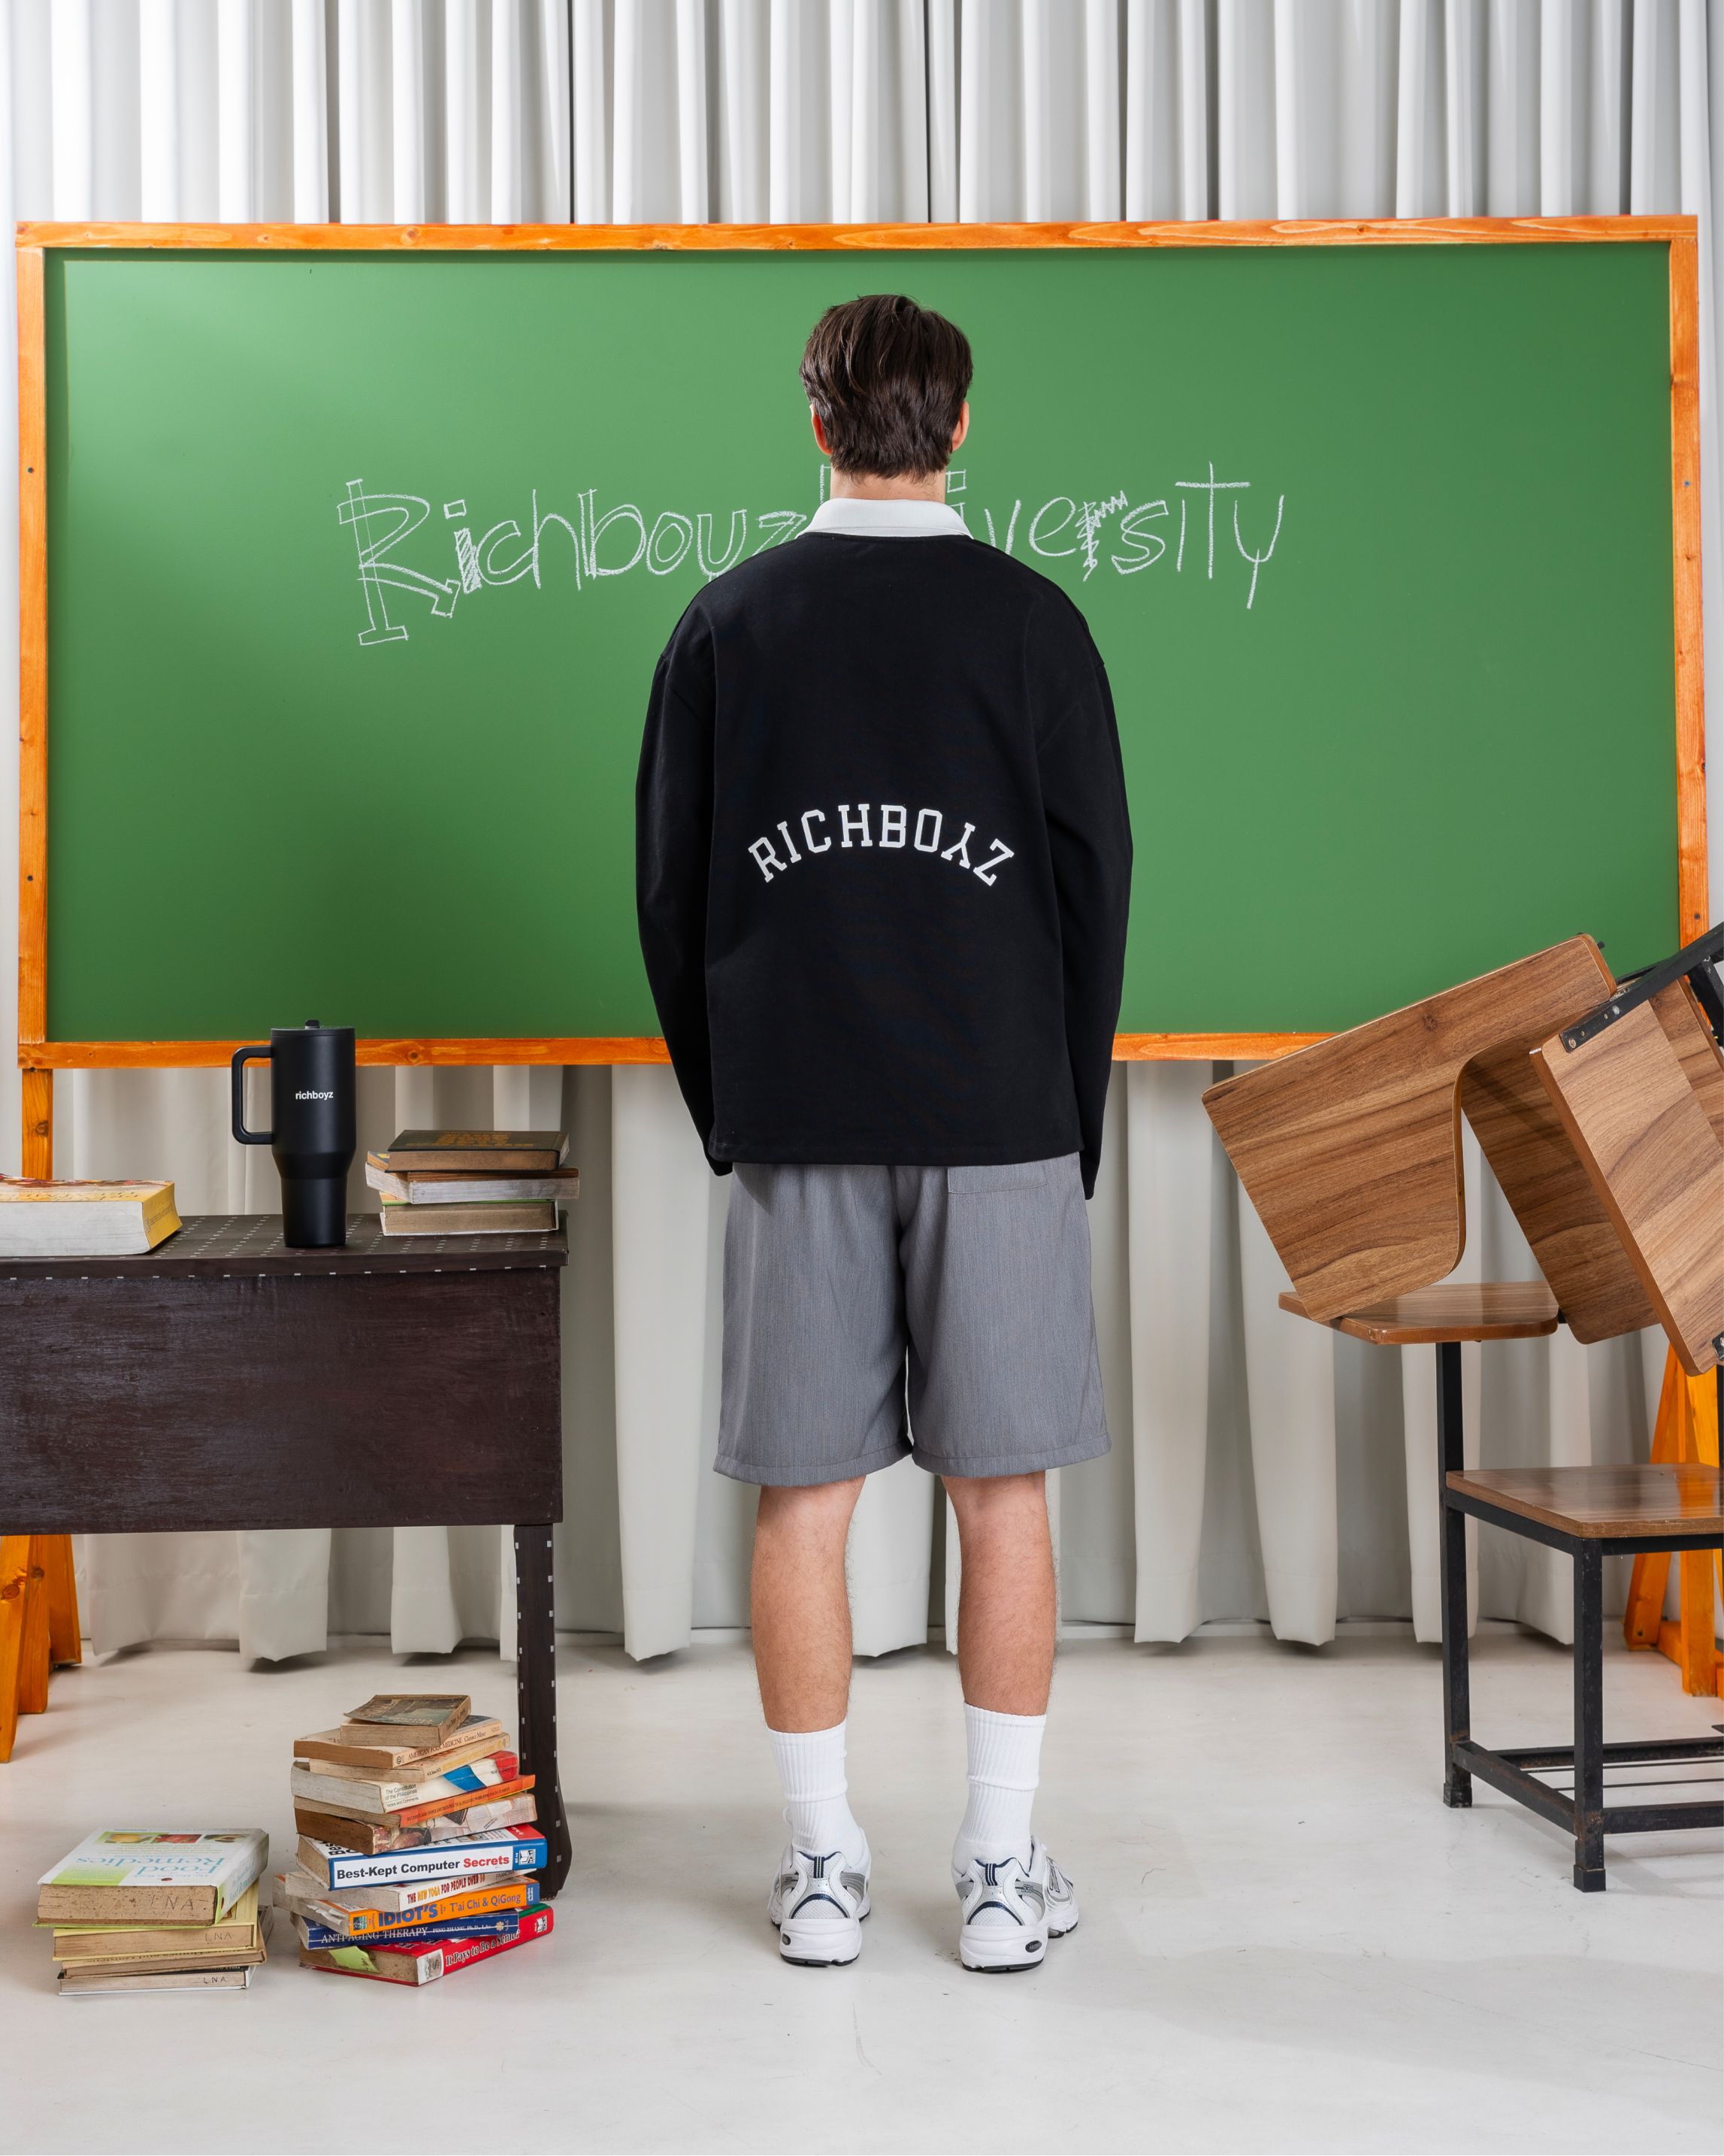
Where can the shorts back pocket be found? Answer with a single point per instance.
(974, 1182)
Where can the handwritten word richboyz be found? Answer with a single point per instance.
(1119, 533)
(896, 834)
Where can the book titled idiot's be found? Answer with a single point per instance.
(422, 1961)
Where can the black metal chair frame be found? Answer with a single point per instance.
(1585, 1815)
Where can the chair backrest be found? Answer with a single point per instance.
(1350, 1150)
(1642, 1103)
(1579, 1252)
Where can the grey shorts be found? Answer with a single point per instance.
(870, 1312)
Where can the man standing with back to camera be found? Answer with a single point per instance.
(883, 868)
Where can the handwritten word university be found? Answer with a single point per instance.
(1211, 528)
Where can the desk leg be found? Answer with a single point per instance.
(1589, 1719)
(1451, 1531)
(535, 1667)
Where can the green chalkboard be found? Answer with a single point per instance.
(358, 564)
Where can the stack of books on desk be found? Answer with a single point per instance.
(138, 1910)
(473, 1183)
(60, 1217)
(416, 1834)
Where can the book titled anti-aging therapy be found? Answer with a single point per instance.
(152, 1876)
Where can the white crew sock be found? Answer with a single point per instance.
(817, 1804)
(1005, 1765)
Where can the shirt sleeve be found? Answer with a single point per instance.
(673, 858)
(1090, 841)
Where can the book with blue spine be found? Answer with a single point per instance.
(503, 1925)
(513, 1848)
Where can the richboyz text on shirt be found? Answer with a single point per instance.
(896, 834)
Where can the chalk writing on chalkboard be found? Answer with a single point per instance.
(1122, 533)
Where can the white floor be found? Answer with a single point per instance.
(1288, 1943)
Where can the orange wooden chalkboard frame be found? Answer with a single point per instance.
(39, 1058)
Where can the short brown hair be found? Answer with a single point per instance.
(887, 380)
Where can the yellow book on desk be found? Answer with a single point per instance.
(62, 1218)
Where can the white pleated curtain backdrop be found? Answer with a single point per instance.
(1262, 1467)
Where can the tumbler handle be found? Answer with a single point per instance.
(240, 1058)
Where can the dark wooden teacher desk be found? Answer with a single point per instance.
(224, 1381)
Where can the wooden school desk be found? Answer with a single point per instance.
(224, 1381)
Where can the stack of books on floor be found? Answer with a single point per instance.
(58, 1217)
(134, 1910)
(416, 1836)
(473, 1183)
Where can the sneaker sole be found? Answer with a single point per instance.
(811, 1946)
(1012, 1958)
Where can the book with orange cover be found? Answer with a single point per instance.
(302, 1897)
(415, 1814)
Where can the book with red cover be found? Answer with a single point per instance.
(404, 1961)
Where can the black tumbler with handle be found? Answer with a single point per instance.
(312, 1128)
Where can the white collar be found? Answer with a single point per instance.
(853, 517)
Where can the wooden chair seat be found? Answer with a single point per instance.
(1454, 1310)
(1597, 1503)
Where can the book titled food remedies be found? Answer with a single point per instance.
(515, 1849)
(56, 1218)
(154, 1877)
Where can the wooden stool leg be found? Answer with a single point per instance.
(1451, 1531)
(66, 1641)
(14, 1573)
(32, 1657)
(1589, 1719)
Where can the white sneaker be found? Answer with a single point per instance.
(1011, 1913)
(817, 1906)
